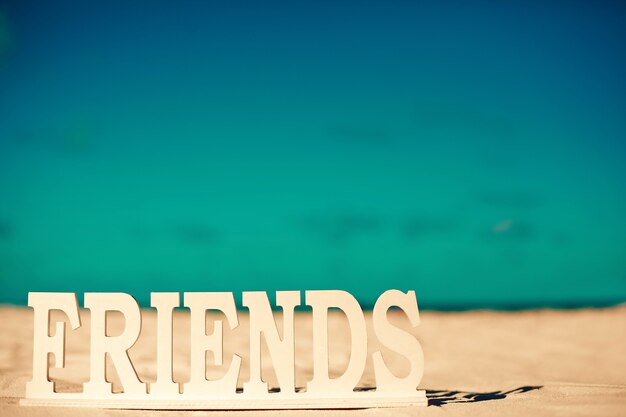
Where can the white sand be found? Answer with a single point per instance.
(572, 363)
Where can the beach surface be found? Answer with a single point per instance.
(478, 363)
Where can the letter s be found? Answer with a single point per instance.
(398, 341)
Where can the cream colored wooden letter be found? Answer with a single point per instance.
(116, 346)
(282, 351)
(43, 343)
(398, 341)
(198, 303)
(164, 302)
(322, 384)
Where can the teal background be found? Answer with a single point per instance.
(473, 152)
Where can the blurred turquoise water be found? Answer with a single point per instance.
(473, 154)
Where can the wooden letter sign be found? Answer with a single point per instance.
(198, 392)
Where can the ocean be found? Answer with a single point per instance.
(473, 153)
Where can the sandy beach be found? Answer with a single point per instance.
(479, 363)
